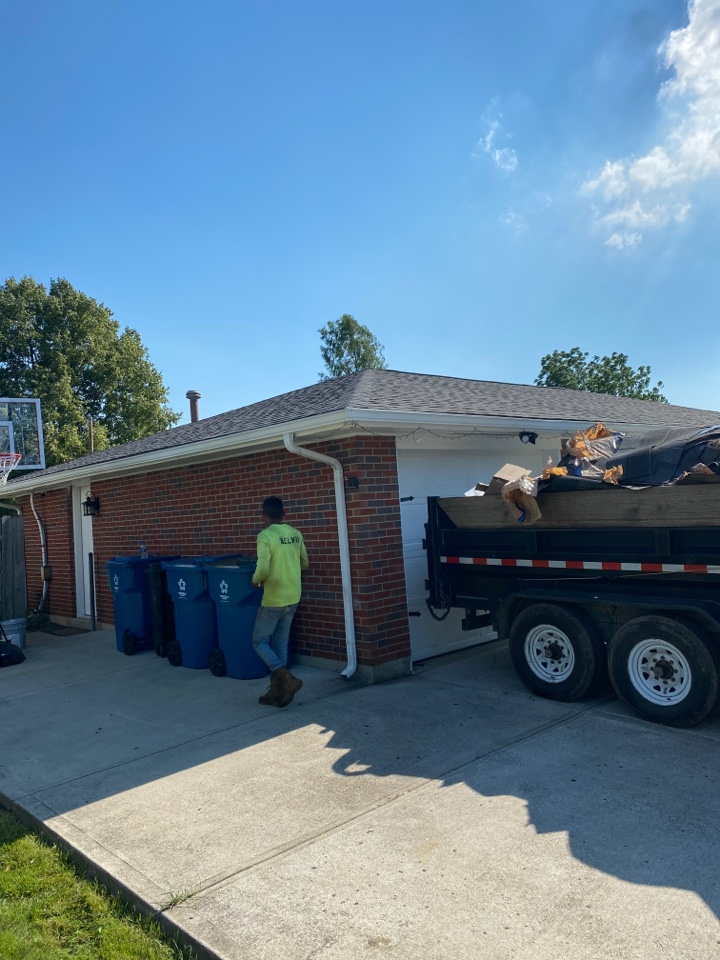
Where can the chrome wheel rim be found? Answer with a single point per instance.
(549, 653)
(659, 672)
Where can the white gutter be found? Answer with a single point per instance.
(181, 454)
(388, 422)
(339, 479)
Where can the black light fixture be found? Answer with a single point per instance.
(527, 437)
(91, 506)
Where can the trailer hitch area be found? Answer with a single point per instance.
(475, 619)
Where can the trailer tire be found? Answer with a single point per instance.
(665, 669)
(556, 652)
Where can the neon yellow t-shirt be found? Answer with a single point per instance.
(281, 556)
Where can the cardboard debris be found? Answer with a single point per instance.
(520, 496)
(479, 490)
(507, 474)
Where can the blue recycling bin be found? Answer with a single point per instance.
(236, 605)
(195, 621)
(132, 603)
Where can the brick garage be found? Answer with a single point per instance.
(213, 507)
(196, 489)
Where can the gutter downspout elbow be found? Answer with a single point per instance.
(339, 480)
(43, 544)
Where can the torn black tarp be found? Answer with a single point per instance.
(663, 456)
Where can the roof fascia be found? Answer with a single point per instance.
(389, 422)
(392, 420)
(264, 438)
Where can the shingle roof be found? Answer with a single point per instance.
(393, 391)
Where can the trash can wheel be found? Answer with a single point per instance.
(129, 643)
(218, 667)
(174, 653)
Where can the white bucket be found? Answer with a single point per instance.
(15, 631)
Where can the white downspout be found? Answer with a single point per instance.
(43, 545)
(339, 480)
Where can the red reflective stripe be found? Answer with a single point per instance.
(581, 564)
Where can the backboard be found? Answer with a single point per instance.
(21, 432)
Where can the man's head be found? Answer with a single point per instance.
(272, 510)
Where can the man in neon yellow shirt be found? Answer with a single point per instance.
(281, 558)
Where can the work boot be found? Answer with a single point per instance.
(275, 691)
(290, 686)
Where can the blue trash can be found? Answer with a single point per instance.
(236, 605)
(195, 621)
(132, 606)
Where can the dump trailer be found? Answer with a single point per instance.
(617, 582)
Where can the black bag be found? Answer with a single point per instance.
(9, 653)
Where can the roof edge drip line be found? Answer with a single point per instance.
(339, 481)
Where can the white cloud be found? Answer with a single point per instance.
(514, 220)
(649, 192)
(623, 241)
(504, 158)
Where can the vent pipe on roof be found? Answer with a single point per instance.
(193, 396)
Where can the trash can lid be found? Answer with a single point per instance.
(135, 559)
(229, 563)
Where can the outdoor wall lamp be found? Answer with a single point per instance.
(527, 437)
(91, 506)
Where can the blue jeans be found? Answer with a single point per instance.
(272, 634)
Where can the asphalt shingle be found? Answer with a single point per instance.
(393, 391)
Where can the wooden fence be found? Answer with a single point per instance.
(13, 593)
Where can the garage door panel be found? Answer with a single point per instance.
(424, 473)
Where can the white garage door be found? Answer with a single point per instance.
(444, 473)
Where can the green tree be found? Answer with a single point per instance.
(572, 369)
(65, 348)
(348, 346)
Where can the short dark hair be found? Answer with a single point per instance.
(273, 508)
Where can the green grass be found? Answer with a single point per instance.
(49, 912)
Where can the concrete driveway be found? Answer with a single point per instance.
(450, 814)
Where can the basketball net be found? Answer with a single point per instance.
(8, 462)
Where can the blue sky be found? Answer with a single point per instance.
(478, 183)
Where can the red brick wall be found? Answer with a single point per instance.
(215, 508)
(55, 510)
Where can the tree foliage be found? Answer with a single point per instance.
(348, 346)
(65, 348)
(572, 369)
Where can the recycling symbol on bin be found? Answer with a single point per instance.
(224, 590)
(181, 585)
(116, 581)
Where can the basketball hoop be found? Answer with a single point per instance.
(8, 462)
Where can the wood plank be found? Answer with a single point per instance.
(13, 593)
(687, 505)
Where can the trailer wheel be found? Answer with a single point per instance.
(556, 653)
(665, 669)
